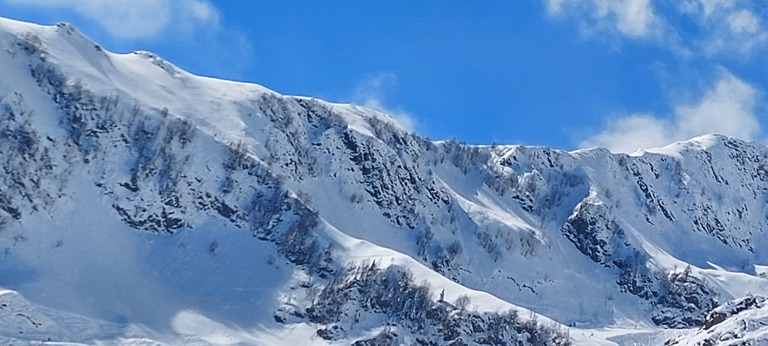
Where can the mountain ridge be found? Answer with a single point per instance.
(179, 166)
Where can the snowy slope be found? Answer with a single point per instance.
(165, 207)
(129, 203)
(741, 322)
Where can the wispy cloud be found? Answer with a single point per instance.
(727, 108)
(371, 92)
(737, 31)
(634, 18)
(138, 18)
(708, 26)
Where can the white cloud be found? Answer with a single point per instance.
(626, 135)
(719, 26)
(633, 18)
(203, 11)
(371, 93)
(555, 6)
(743, 21)
(136, 18)
(195, 13)
(734, 29)
(711, 6)
(728, 109)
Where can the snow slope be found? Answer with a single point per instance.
(741, 322)
(155, 206)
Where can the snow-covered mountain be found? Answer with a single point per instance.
(141, 204)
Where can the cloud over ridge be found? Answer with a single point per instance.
(727, 108)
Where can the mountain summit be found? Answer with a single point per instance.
(142, 204)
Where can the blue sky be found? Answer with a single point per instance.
(624, 74)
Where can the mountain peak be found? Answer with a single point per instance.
(215, 105)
